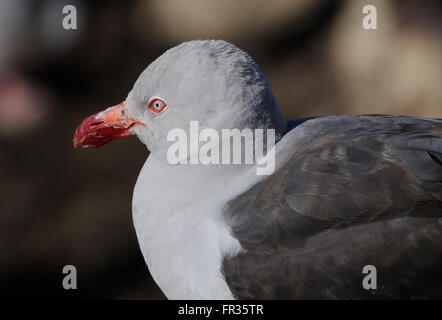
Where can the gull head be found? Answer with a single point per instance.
(209, 81)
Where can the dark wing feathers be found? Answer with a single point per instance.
(359, 190)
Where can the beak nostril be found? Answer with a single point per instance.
(96, 123)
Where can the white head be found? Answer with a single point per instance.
(210, 81)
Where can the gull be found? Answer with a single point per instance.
(350, 197)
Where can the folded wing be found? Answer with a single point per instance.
(358, 190)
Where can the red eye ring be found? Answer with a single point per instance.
(156, 105)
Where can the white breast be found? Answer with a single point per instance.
(180, 231)
(177, 216)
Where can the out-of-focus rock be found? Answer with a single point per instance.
(23, 106)
(237, 21)
(395, 69)
(13, 24)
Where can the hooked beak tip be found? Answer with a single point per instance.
(102, 127)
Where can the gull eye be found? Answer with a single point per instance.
(156, 105)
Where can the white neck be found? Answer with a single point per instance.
(181, 232)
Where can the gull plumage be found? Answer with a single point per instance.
(347, 191)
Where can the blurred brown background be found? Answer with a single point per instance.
(63, 206)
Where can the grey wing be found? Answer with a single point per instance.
(358, 190)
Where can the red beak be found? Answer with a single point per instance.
(104, 126)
